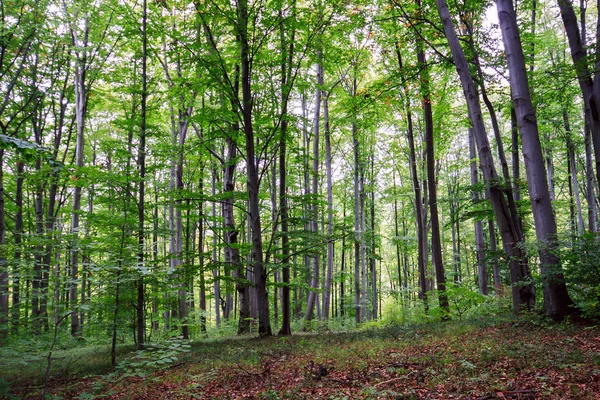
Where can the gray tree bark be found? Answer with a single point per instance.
(412, 159)
(573, 170)
(330, 242)
(357, 231)
(314, 224)
(590, 88)
(557, 302)
(479, 241)
(522, 290)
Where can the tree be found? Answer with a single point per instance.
(557, 303)
(140, 305)
(522, 291)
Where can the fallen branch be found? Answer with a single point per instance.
(264, 371)
(394, 379)
(501, 394)
(179, 364)
(404, 364)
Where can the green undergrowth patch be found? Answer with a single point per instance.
(458, 359)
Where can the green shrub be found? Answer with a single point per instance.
(581, 262)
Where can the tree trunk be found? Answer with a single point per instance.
(557, 302)
(436, 245)
(522, 290)
(16, 281)
(215, 259)
(397, 237)
(142, 185)
(3, 259)
(372, 260)
(232, 252)
(260, 275)
(573, 170)
(202, 283)
(590, 89)
(516, 167)
(363, 247)
(330, 242)
(80, 111)
(421, 257)
(283, 206)
(314, 281)
(510, 197)
(479, 242)
(589, 163)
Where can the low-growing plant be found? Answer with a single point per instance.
(154, 357)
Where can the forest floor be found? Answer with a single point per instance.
(452, 360)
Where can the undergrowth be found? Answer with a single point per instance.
(409, 349)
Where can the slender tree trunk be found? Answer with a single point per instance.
(363, 248)
(419, 217)
(589, 163)
(495, 263)
(3, 259)
(342, 293)
(372, 260)
(113, 350)
(479, 242)
(202, 283)
(589, 179)
(549, 169)
(283, 206)
(142, 185)
(314, 281)
(573, 170)
(182, 273)
(397, 236)
(16, 280)
(590, 89)
(436, 245)
(41, 260)
(357, 230)
(155, 247)
(516, 166)
(508, 188)
(453, 226)
(215, 260)
(232, 252)
(274, 237)
(260, 275)
(556, 298)
(330, 242)
(80, 110)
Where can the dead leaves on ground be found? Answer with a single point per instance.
(503, 362)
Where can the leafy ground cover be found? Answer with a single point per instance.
(454, 360)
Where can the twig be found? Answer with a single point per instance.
(404, 364)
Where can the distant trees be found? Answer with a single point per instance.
(169, 168)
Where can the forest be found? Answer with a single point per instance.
(175, 173)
